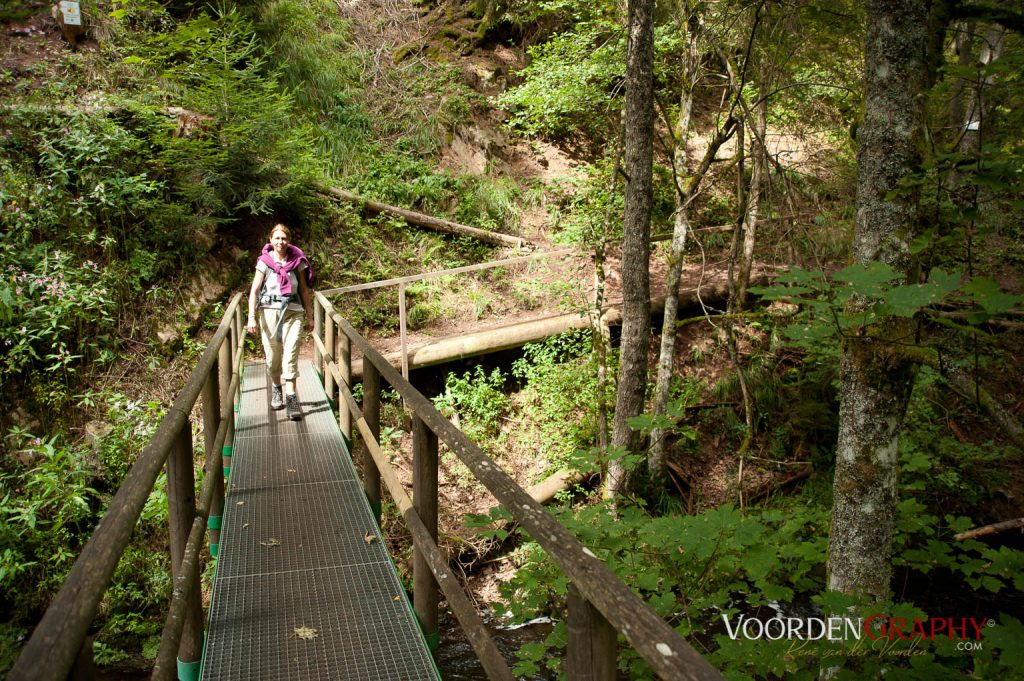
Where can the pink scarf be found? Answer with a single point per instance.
(294, 257)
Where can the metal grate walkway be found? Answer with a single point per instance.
(300, 551)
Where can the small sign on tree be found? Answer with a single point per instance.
(71, 12)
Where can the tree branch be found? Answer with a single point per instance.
(990, 529)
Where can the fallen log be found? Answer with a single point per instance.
(545, 490)
(427, 221)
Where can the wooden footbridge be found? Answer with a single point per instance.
(303, 586)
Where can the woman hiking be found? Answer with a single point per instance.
(281, 289)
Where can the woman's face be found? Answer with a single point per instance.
(280, 242)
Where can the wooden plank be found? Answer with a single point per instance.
(318, 332)
(181, 502)
(401, 330)
(330, 344)
(371, 412)
(343, 358)
(211, 419)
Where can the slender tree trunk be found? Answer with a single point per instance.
(636, 312)
(753, 203)
(876, 379)
(601, 335)
(681, 228)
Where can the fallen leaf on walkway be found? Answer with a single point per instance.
(271, 542)
(291, 470)
(245, 526)
(369, 537)
(306, 633)
(240, 503)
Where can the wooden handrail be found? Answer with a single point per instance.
(668, 654)
(55, 643)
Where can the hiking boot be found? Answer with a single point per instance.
(294, 412)
(276, 398)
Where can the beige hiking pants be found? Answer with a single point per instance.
(282, 356)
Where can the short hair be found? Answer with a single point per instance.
(279, 227)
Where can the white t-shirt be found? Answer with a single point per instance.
(273, 286)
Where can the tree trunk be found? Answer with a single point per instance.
(666, 357)
(876, 379)
(601, 336)
(639, 153)
(427, 221)
(753, 204)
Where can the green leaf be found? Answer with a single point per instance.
(871, 280)
(1008, 635)
(988, 294)
(906, 301)
(920, 244)
(809, 333)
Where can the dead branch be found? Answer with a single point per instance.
(990, 529)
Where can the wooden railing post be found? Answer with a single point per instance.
(231, 402)
(401, 331)
(226, 402)
(181, 503)
(371, 414)
(328, 375)
(424, 496)
(211, 421)
(342, 350)
(591, 649)
(318, 331)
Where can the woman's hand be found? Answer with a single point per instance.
(250, 327)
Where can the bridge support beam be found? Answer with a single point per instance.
(424, 495)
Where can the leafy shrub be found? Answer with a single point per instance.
(46, 511)
(55, 315)
(558, 397)
(478, 400)
(588, 211)
(568, 85)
